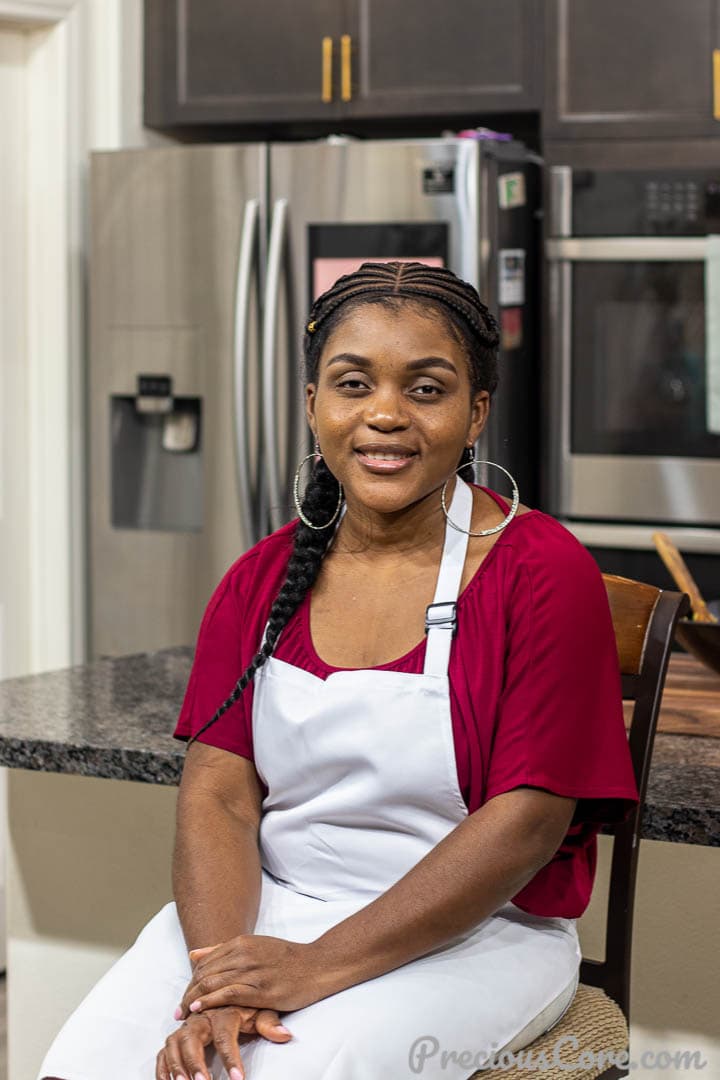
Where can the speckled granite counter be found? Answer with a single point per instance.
(114, 718)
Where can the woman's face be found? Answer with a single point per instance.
(392, 407)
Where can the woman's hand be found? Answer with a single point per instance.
(255, 970)
(183, 1056)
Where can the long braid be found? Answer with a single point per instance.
(434, 288)
(309, 547)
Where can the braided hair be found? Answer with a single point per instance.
(436, 292)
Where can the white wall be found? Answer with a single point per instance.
(70, 82)
(14, 449)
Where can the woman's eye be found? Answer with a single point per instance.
(352, 383)
(427, 390)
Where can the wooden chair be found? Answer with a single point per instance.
(644, 619)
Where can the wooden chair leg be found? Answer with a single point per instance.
(614, 1073)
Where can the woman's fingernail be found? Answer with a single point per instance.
(235, 1074)
(199, 1076)
(196, 1006)
(178, 1013)
(283, 1029)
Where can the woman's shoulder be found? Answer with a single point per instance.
(535, 544)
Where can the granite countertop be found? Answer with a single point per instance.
(114, 718)
(111, 718)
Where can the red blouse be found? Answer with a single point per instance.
(534, 684)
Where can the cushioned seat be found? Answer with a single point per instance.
(593, 1021)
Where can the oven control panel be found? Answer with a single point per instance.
(638, 202)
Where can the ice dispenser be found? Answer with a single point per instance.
(156, 453)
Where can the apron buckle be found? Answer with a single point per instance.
(442, 615)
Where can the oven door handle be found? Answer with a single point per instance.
(557, 433)
(712, 336)
(628, 248)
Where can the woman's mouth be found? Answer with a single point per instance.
(385, 461)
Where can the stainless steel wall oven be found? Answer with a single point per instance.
(634, 432)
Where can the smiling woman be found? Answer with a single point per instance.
(387, 830)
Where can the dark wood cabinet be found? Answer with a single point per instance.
(415, 57)
(640, 68)
(221, 62)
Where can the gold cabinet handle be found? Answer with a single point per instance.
(327, 51)
(716, 83)
(346, 67)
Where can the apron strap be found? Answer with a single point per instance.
(440, 616)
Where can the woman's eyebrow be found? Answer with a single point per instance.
(413, 365)
(350, 358)
(432, 361)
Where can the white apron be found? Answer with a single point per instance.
(362, 783)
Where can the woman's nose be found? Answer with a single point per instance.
(386, 410)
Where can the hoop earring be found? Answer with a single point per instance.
(296, 497)
(511, 512)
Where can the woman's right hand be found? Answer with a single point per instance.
(183, 1055)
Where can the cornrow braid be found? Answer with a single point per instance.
(393, 284)
(309, 547)
(433, 287)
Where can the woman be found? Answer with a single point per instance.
(384, 836)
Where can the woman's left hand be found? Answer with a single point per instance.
(255, 970)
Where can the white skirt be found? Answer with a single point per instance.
(498, 987)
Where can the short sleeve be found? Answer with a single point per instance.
(560, 722)
(217, 666)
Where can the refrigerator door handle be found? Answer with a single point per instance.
(558, 443)
(246, 268)
(275, 258)
(468, 212)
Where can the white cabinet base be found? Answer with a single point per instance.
(88, 865)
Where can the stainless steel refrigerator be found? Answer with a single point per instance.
(204, 261)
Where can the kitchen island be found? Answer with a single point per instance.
(94, 772)
(114, 718)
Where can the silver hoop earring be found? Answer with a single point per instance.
(296, 498)
(511, 512)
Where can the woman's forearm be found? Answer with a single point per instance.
(472, 872)
(216, 873)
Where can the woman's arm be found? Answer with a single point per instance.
(216, 863)
(473, 871)
(217, 882)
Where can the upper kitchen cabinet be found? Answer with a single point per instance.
(639, 68)
(217, 62)
(221, 62)
(423, 57)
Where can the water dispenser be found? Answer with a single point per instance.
(157, 460)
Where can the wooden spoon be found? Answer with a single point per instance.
(682, 577)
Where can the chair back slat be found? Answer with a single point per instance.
(631, 604)
(644, 620)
